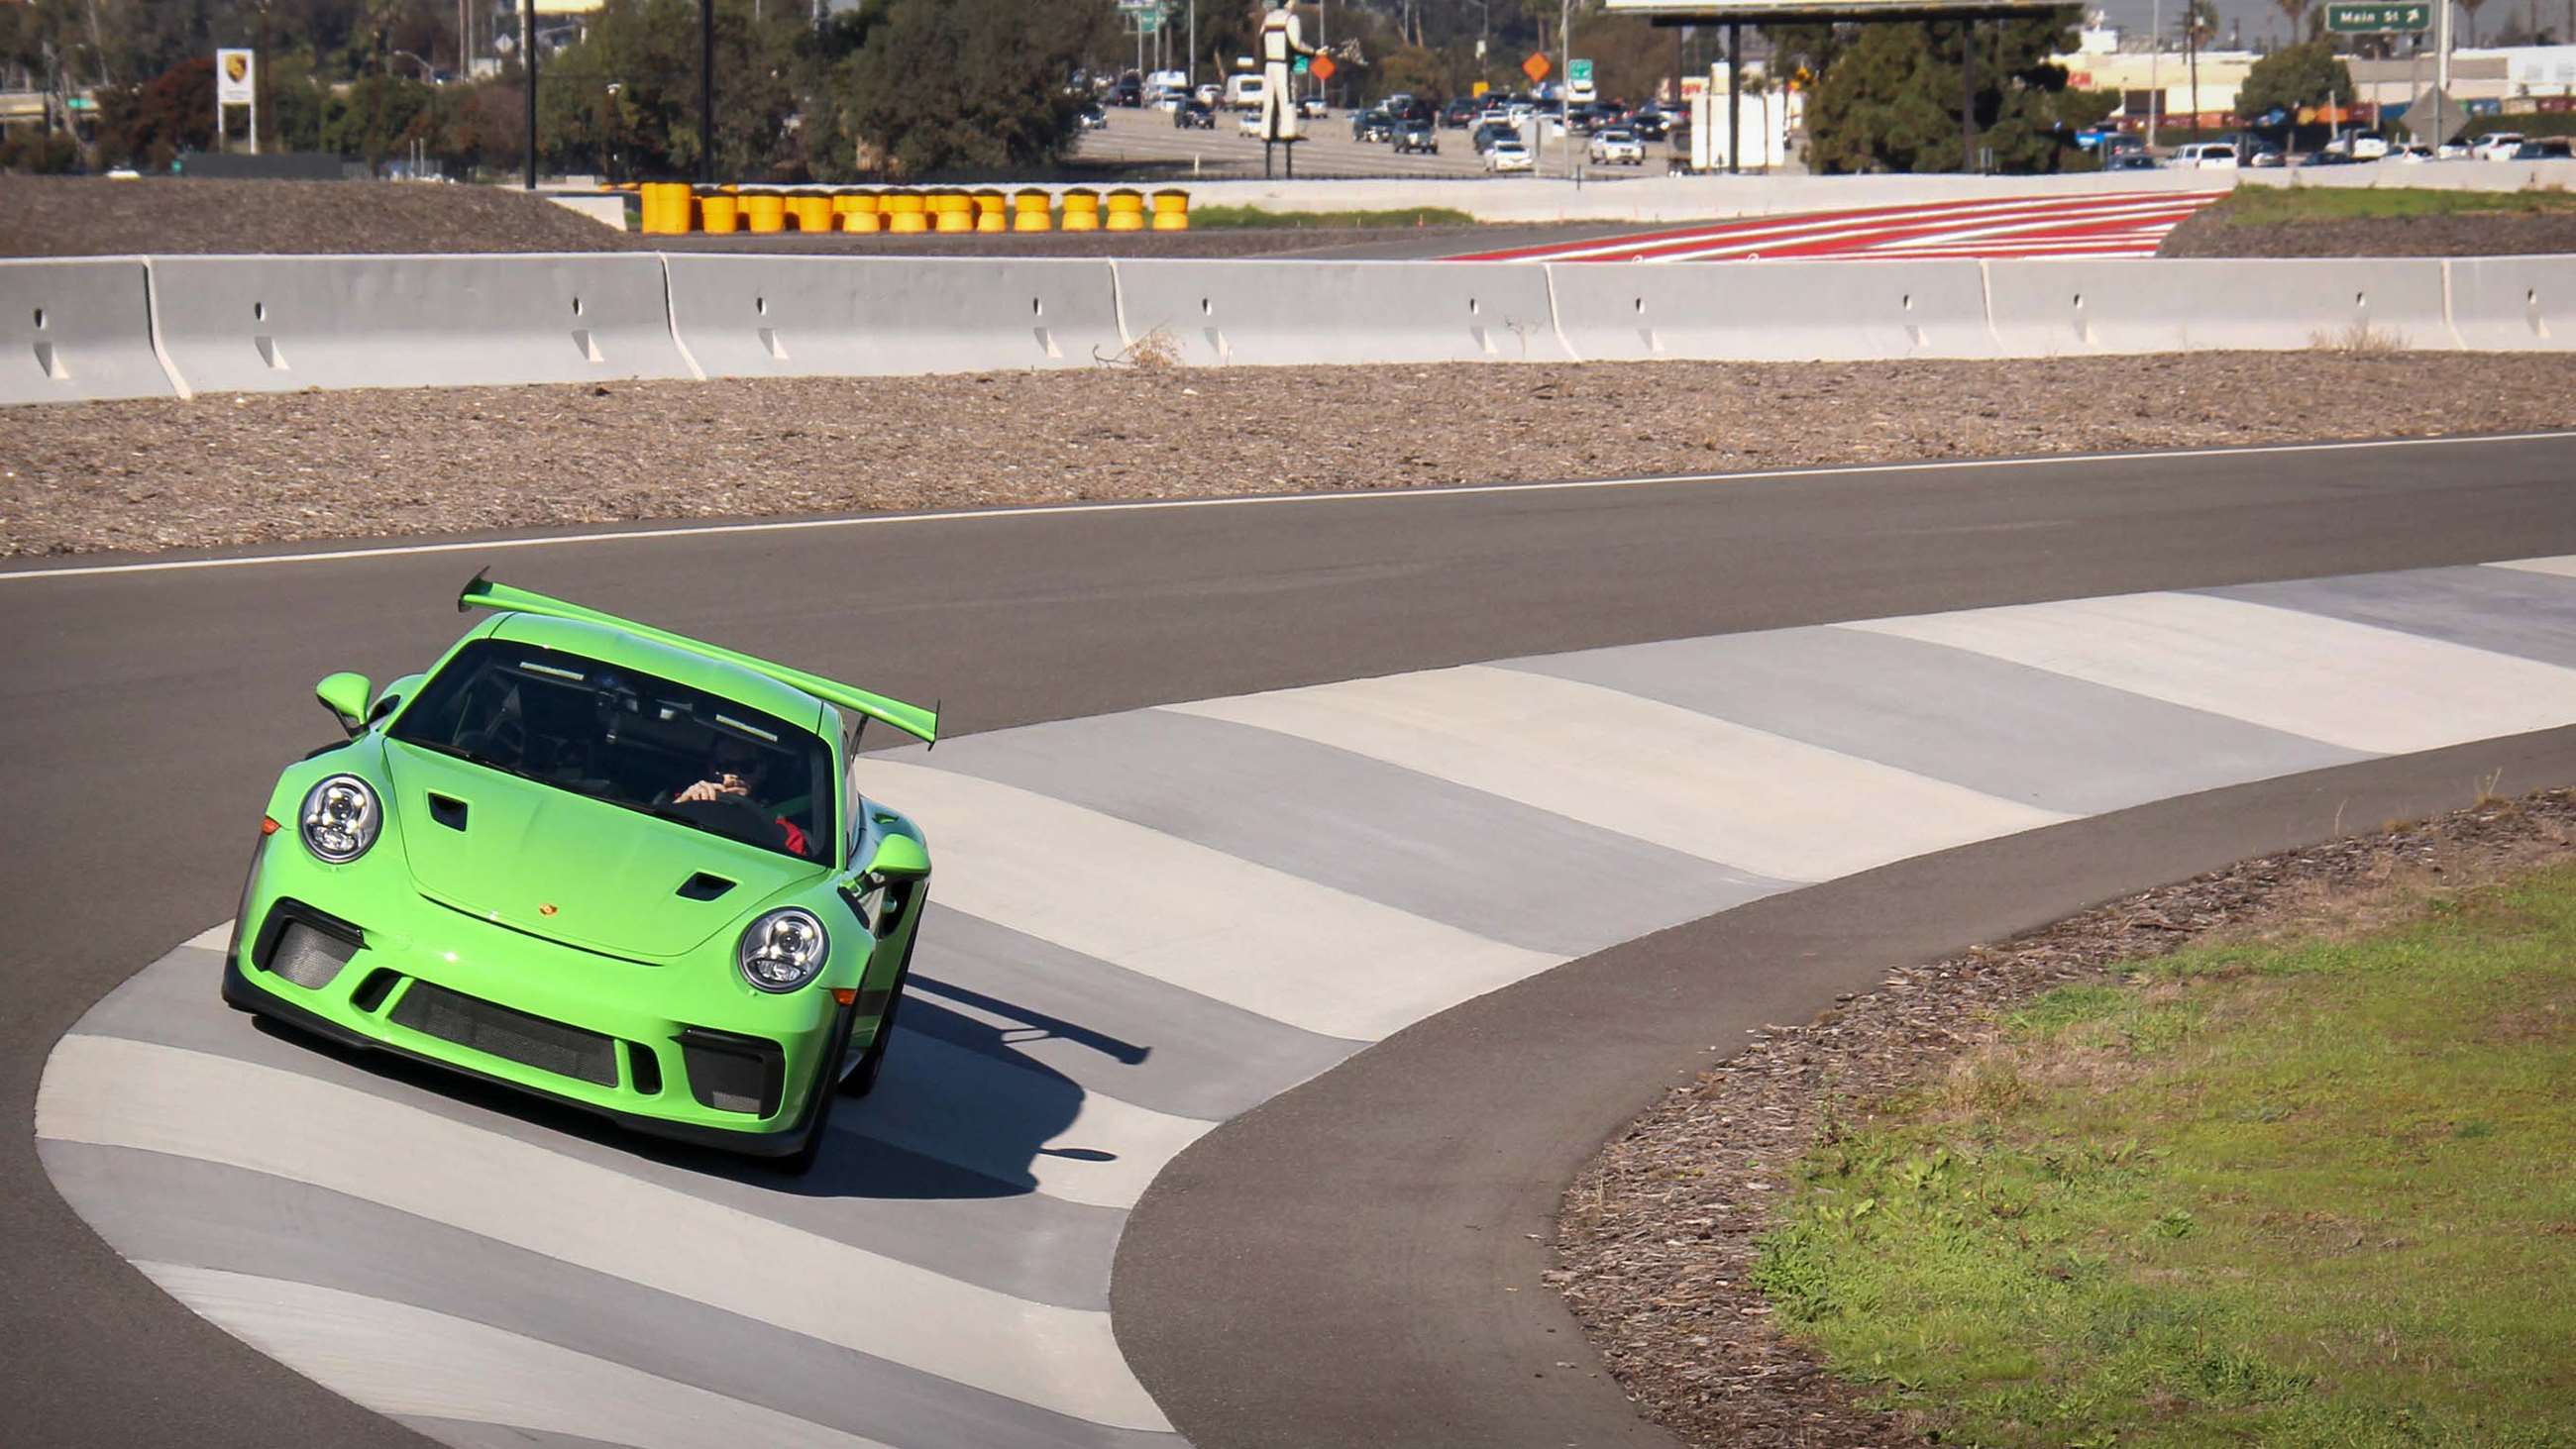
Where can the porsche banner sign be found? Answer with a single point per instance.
(234, 76)
(1710, 12)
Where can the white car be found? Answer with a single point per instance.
(2454, 151)
(2206, 156)
(1249, 124)
(1507, 156)
(1621, 147)
(2497, 145)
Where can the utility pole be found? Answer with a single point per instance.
(1734, 96)
(528, 45)
(1193, 81)
(2441, 68)
(2155, 64)
(1564, 57)
(707, 91)
(1968, 95)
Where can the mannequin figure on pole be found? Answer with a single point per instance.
(1282, 42)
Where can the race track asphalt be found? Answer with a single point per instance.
(147, 710)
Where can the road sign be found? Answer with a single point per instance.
(1578, 72)
(2379, 16)
(1302, 66)
(1322, 68)
(1536, 67)
(1480, 90)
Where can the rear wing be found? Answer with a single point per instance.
(922, 724)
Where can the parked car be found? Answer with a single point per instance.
(1416, 138)
(1313, 108)
(1194, 115)
(1250, 123)
(2205, 156)
(2547, 148)
(1212, 93)
(1371, 125)
(2267, 157)
(2454, 151)
(2328, 158)
(1129, 92)
(2409, 153)
(1650, 124)
(1459, 113)
(1616, 147)
(1488, 132)
(1091, 117)
(2497, 145)
(2132, 161)
(1508, 155)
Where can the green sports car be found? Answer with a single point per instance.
(602, 863)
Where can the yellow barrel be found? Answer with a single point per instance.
(902, 203)
(1126, 221)
(1029, 211)
(1125, 199)
(868, 202)
(764, 211)
(719, 213)
(864, 220)
(956, 221)
(1171, 211)
(992, 211)
(812, 210)
(656, 204)
(908, 221)
(1081, 210)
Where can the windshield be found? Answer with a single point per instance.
(632, 740)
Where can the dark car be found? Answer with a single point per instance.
(2329, 158)
(1130, 92)
(2132, 161)
(1650, 125)
(1194, 115)
(1459, 113)
(2547, 148)
(1371, 125)
(1490, 132)
(1090, 117)
(1416, 136)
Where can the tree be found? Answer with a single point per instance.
(625, 100)
(2472, 6)
(2295, 9)
(1888, 99)
(376, 117)
(151, 125)
(2294, 76)
(947, 85)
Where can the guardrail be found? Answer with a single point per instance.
(123, 327)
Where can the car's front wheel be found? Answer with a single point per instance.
(859, 1077)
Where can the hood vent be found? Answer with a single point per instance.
(704, 887)
(447, 810)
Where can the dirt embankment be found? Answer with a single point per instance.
(63, 216)
(264, 468)
(2213, 233)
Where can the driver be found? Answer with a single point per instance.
(736, 770)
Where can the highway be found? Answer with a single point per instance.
(148, 705)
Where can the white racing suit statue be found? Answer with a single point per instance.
(1281, 43)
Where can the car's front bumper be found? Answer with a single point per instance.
(673, 1049)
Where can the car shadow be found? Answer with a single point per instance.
(963, 1109)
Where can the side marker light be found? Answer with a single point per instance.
(267, 826)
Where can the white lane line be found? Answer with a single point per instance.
(117, 1093)
(1261, 939)
(1077, 510)
(946, 1102)
(1708, 787)
(397, 1359)
(2348, 684)
(2562, 567)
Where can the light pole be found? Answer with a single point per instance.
(2155, 70)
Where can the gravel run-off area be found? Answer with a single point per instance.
(2467, 234)
(1656, 1240)
(266, 468)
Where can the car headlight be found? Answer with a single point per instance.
(783, 950)
(340, 819)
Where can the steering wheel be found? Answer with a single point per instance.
(730, 816)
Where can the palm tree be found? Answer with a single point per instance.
(2471, 6)
(2199, 24)
(2296, 10)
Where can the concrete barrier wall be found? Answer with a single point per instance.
(2061, 307)
(1772, 311)
(154, 327)
(77, 331)
(277, 324)
(769, 316)
(1215, 313)
(2514, 304)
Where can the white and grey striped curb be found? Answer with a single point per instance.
(1148, 922)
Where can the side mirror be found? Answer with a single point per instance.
(345, 695)
(899, 857)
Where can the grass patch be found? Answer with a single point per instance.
(2272, 205)
(2306, 1191)
(1231, 218)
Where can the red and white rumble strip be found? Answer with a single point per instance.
(2121, 224)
